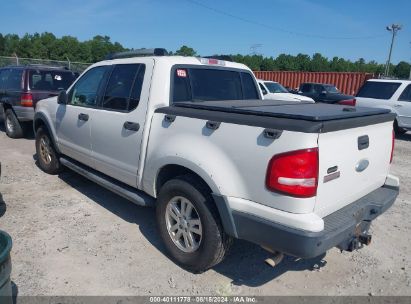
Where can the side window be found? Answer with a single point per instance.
(136, 90)
(124, 87)
(249, 88)
(11, 79)
(2, 79)
(318, 89)
(85, 91)
(406, 95)
(306, 88)
(263, 89)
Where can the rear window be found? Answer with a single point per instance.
(50, 80)
(199, 84)
(378, 89)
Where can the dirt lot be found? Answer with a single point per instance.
(72, 237)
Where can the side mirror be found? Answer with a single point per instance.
(62, 98)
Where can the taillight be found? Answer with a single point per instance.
(294, 173)
(392, 146)
(26, 100)
(348, 102)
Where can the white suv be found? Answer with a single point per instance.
(390, 94)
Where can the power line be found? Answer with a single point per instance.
(284, 30)
(254, 47)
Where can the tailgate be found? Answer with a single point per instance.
(352, 163)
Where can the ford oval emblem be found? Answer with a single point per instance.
(362, 165)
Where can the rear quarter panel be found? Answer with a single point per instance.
(232, 159)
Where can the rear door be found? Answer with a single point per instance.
(117, 129)
(352, 163)
(73, 121)
(403, 106)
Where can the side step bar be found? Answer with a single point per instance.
(129, 193)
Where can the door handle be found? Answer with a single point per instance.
(132, 126)
(397, 106)
(83, 116)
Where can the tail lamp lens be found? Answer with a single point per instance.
(294, 173)
(348, 102)
(26, 100)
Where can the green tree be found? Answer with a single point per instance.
(303, 62)
(11, 44)
(268, 64)
(186, 51)
(402, 70)
(286, 62)
(2, 44)
(319, 63)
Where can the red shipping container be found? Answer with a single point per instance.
(346, 82)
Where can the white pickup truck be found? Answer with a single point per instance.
(192, 137)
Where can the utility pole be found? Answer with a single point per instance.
(393, 28)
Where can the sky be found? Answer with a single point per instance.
(351, 29)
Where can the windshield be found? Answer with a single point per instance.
(331, 89)
(48, 80)
(200, 84)
(275, 87)
(378, 89)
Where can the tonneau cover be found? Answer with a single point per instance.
(290, 110)
(291, 116)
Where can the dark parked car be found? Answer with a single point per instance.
(20, 89)
(326, 93)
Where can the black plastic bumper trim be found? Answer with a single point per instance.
(339, 226)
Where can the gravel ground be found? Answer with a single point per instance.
(72, 237)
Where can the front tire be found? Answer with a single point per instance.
(13, 127)
(48, 158)
(189, 224)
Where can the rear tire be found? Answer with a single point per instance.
(13, 127)
(208, 243)
(47, 156)
(398, 130)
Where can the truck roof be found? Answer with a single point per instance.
(37, 66)
(173, 60)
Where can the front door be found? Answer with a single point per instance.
(117, 129)
(73, 121)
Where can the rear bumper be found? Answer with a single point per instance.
(340, 227)
(24, 113)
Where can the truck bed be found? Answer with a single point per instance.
(302, 117)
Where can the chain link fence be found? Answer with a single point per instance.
(72, 65)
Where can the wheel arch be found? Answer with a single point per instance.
(40, 120)
(170, 171)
